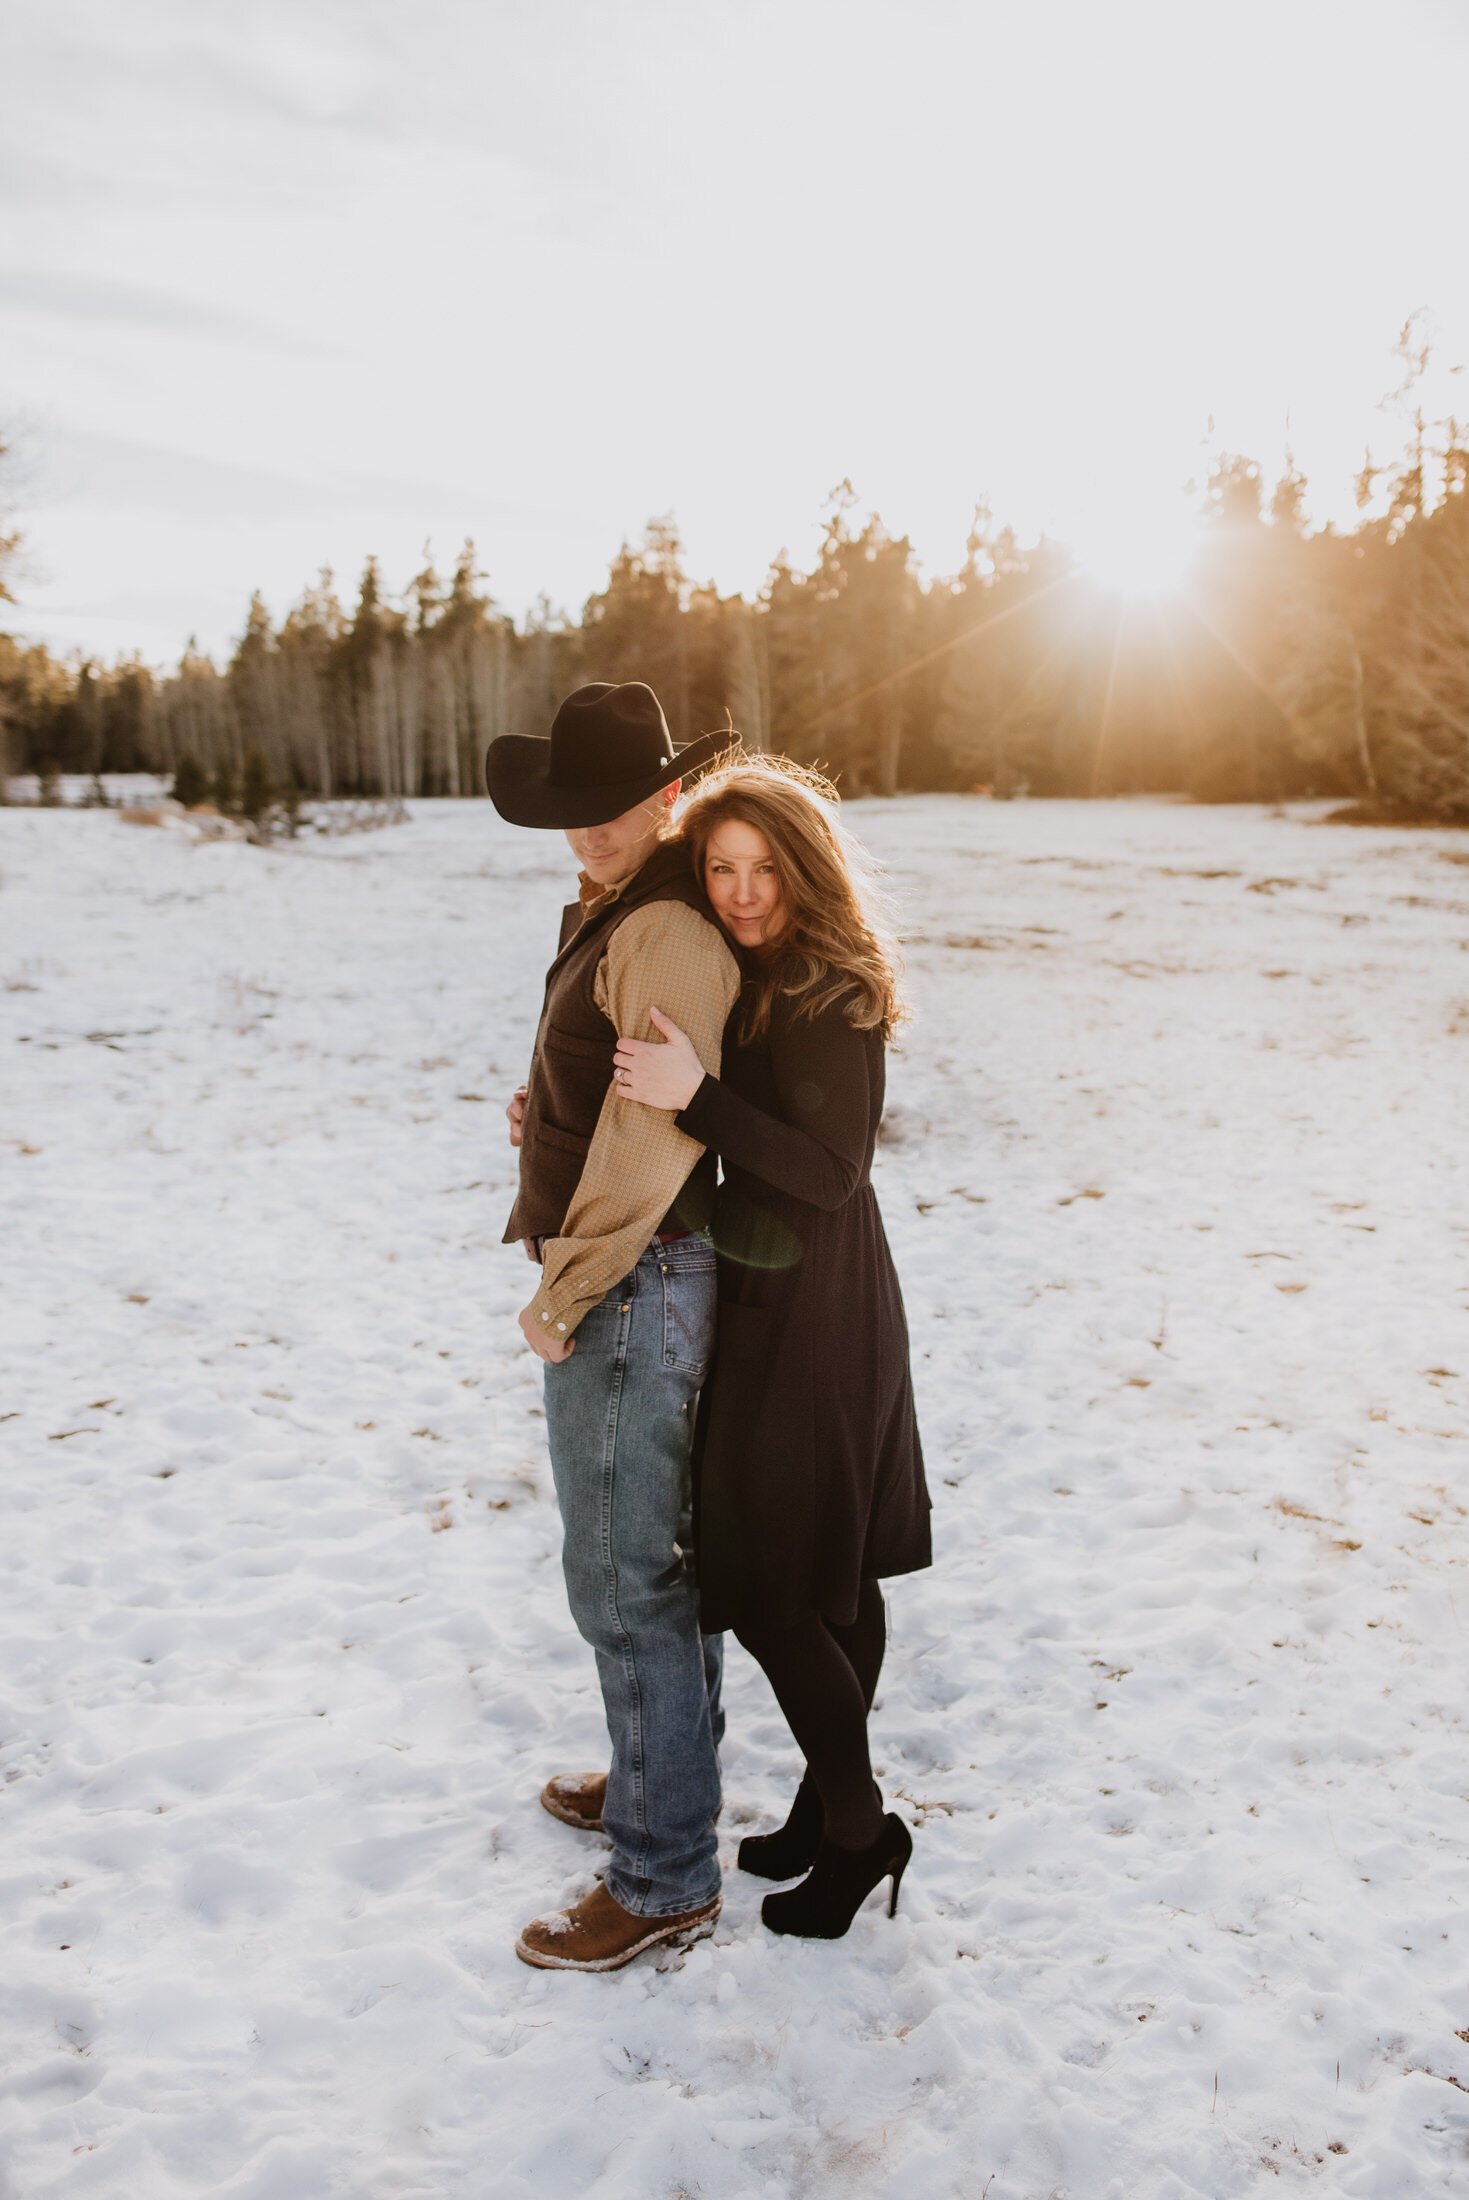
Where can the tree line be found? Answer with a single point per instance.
(1293, 663)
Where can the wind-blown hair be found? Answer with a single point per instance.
(838, 944)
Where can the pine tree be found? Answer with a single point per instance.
(129, 708)
(257, 789)
(254, 682)
(311, 706)
(290, 800)
(10, 542)
(471, 658)
(11, 677)
(1288, 499)
(1416, 653)
(190, 787)
(368, 689)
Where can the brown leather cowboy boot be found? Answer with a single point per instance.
(576, 1799)
(598, 1934)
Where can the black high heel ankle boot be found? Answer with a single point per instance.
(791, 1849)
(838, 1884)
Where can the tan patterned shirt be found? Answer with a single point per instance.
(667, 956)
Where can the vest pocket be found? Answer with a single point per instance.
(547, 1134)
(574, 1042)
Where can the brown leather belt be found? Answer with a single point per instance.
(666, 1237)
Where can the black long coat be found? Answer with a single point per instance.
(808, 1469)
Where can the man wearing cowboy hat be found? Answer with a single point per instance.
(614, 1202)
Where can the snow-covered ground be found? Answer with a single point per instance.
(1178, 1182)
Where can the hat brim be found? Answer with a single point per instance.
(518, 777)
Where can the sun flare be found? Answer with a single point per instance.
(1141, 553)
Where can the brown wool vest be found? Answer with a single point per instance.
(572, 1064)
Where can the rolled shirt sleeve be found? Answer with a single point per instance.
(664, 955)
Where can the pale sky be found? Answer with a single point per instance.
(281, 285)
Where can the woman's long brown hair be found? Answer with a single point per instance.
(837, 945)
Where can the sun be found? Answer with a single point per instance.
(1141, 551)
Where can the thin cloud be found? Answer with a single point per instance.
(96, 298)
(124, 474)
(34, 178)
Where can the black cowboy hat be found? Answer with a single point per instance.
(609, 749)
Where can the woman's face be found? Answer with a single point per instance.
(743, 885)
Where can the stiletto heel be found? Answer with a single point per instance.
(839, 1882)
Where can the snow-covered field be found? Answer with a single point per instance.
(1177, 1177)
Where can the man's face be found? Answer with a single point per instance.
(623, 845)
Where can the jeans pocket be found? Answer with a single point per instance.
(688, 1314)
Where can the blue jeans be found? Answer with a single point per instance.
(619, 1418)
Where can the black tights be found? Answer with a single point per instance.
(825, 1677)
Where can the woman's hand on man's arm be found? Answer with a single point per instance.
(660, 1074)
